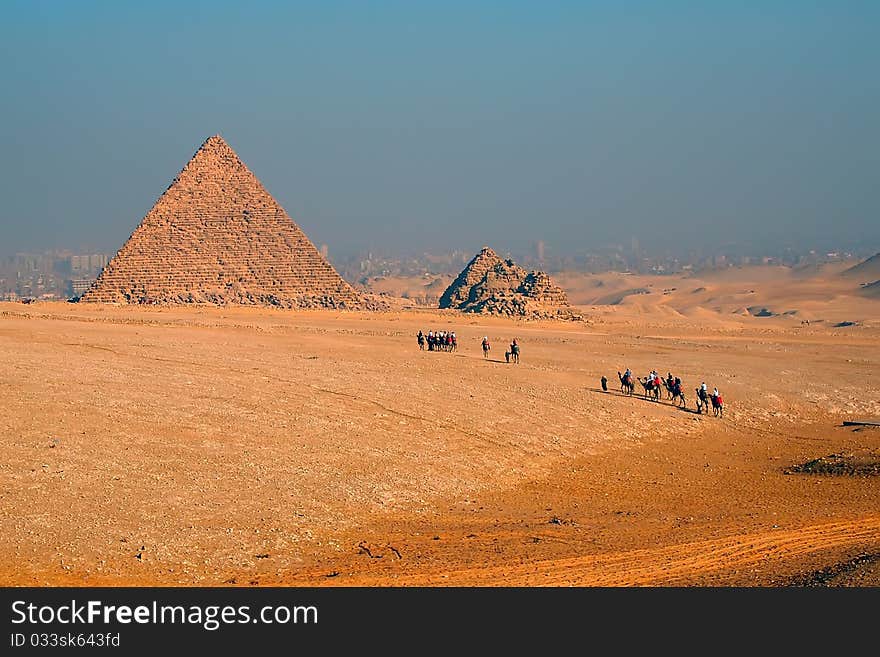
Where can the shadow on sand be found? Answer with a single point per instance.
(664, 402)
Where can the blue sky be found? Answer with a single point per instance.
(426, 126)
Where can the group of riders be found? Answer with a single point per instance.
(511, 355)
(446, 341)
(437, 341)
(653, 384)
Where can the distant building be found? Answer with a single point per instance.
(88, 264)
(78, 286)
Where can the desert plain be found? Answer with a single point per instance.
(244, 446)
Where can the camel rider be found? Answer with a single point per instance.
(627, 376)
(715, 393)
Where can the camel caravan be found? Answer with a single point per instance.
(653, 386)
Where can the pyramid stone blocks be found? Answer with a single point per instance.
(217, 236)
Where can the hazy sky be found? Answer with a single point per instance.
(447, 124)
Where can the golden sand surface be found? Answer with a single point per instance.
(210, 446)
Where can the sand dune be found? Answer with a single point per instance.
(793, 295)
(871, 291)
(825, 293)
(866, 271)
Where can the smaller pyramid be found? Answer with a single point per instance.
(458, 292)
(489, 284)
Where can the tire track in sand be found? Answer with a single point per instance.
(660, 566)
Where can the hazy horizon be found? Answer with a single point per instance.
(418, 128)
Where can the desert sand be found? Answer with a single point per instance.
(209, 446)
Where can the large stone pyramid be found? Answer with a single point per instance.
(490, 284)
(217, 236)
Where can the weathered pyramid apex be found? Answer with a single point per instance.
(215, 142)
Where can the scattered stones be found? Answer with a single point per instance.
(844, 573)
(375, 551)
(865, 463)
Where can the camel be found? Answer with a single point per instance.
(674, 391)
(626, 384)
(677, 393)
(651, 389)
(717, 405)
(702, 400)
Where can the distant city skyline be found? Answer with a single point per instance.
(407, 128)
